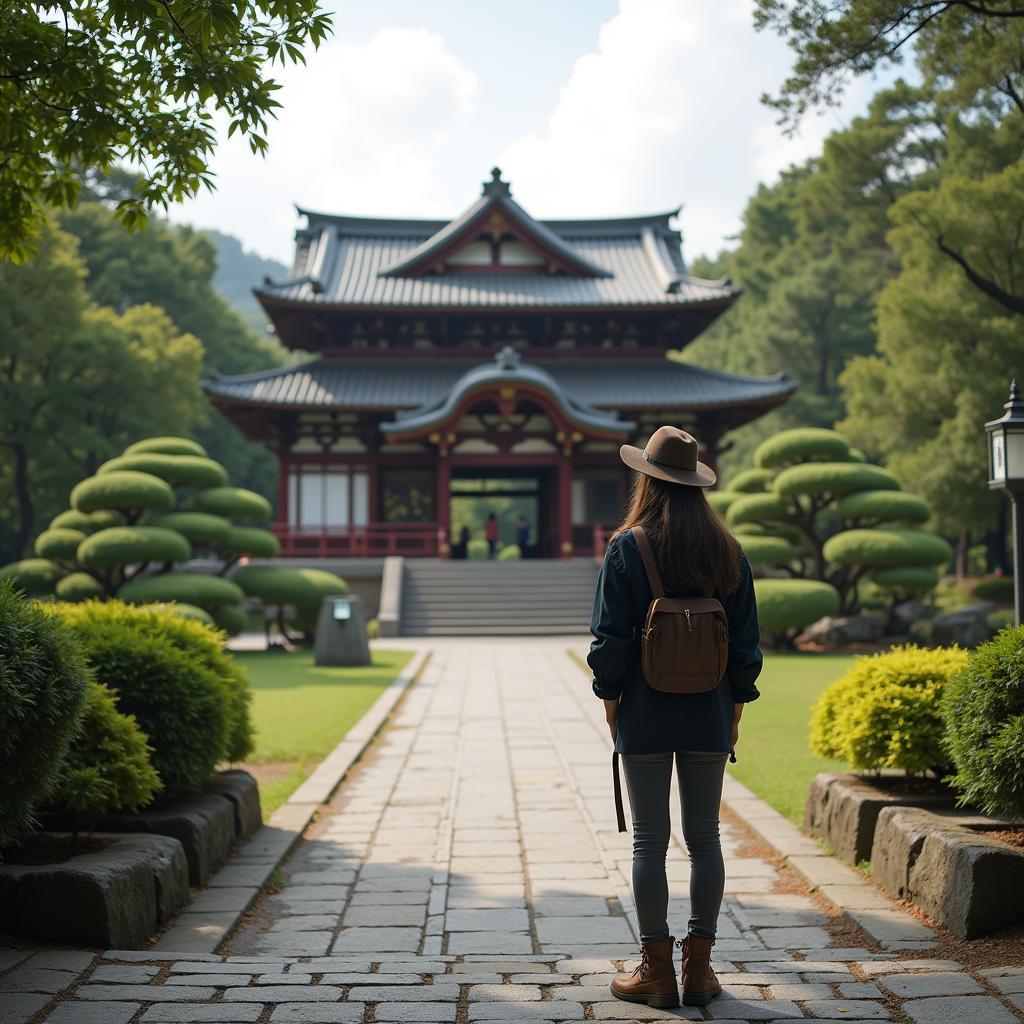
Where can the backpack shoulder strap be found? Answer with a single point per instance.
(650, 563)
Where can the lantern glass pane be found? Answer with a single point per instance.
(1015, 455)
(997, 465)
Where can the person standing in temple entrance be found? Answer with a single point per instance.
(491, 533)
(522, 535)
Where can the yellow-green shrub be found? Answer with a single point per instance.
(885, 711)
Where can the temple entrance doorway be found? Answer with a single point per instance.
(476, 493)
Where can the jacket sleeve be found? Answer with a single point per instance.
(612, 626)
(745, 658)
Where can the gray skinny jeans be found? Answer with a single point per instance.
(649, 782)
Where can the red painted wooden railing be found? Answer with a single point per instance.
(373, 539)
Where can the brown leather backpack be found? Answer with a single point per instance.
(685, 641)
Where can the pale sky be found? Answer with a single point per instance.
(592, 108)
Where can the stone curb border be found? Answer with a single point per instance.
(860, 902)
(211, 917)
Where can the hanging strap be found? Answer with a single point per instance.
(620, 814)
(650, 563)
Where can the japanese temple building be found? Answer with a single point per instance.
(490, 347)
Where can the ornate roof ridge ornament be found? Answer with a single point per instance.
(496, 187)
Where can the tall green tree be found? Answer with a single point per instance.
(78, 382)
(85, 83)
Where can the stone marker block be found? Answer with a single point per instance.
(342, 641)
(116, 897)
(240, 790)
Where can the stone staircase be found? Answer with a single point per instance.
(532, 597)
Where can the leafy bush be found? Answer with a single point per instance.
(995, 588)
(190, 611)
(35, 577)
(206, 592)
(510, 553)
(43, 678)
(762, 550)
(230, 618)
(132, 545)
(983, 709)
(885, 711)
(477, 549)
(107, 767)
(884, 507)
(177, 470)
(59, 543)
(166, 446)
(249, 540)
(818, 478)
(907, 580)
(720, 501)
(752, 481)
(200, 528)
(887, 547)
(799, 444)
(122, 490)
(373, 628)
(752, 508)
(792, 604)
(178, 701)
(233, 503)
(78, 586)
(302, 590)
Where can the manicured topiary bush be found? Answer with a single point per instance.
(59, 543)
(907, 580)
(131, 492)
(43, 679)
(233, 503)
(107, 767)
(813, 479)
(248, 540)
(190, 611)
(872, 508)
(785, 606)
(510, 553)
(751, 481)
(177, 470)
(199, 528)
(766, 550)
(983, 709)
(35, 577)
(132, 545)
(885, 711)
(801, 444)
(721, 501)
(299, 592)
(178, 702)
(210, 593)
(79, 586)
(754, 508)
(887, 547)
(995, 588)
(166, 446)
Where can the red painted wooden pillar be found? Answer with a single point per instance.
(443, 504)
(565, 507)
(283, 511)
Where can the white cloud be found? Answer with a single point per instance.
(665, 111)
(360, 125)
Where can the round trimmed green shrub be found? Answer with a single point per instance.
(230, 618)
(85, 522)
(249, 540)
(179, 703)
(477, 549)
(200, 528)
(233, 503)
(190, 611)
(79, 586)
(177, 470)
(510, 553)
(884, 712)
(983, 708)
(125, 489)
(35, 577)
(887, 547)
(884, 507)
(907, 579)
(199, 589)
(801, 444)
(132, 545)
(59, 543)
(721, 501)
(762, 550)
(792, 604)
(166, 446)
(823, 478)
(107, 767)
(752, 481)
(300, 589)
(995, 588)
(43, 678)
(753, 508)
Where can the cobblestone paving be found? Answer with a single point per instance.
(470, 871)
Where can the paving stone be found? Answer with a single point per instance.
(750, 1009)
(859, 990)
(124, 974)
(503, 993)
(91, 1013)
(20, 1007)
(415, 1011)
(358, 940)
(936, 983)
(201, 1013)
(486, 920)
(359, 980)
(489, 942)
(526, 1010)
(851, 1009)
(62, 959)
(619, 1010)
(793, 938)
(799, 990)
(37, 979)
(378, 916)
(898, 966)
(570, 906)
(438, 992)
(958, 1009)
(583, 930)
(1013, 983)
(281, 994)
(145, 993)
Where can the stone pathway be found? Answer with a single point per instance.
(469, 870)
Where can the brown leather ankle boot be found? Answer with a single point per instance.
(653, 981)
(700, 985)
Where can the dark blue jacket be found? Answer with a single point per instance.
(650, 722)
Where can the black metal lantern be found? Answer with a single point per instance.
(1006, 472)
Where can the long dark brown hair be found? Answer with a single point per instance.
(693, 547)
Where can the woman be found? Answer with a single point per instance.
(695, 555)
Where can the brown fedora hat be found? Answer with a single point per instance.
(671, 455)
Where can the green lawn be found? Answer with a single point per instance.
(773, 757)
(301, 712)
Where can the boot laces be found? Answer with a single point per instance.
(643, 967)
